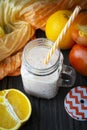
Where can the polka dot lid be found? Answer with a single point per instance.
(76, 103)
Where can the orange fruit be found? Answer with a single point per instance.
(15, 109)
(55, 25)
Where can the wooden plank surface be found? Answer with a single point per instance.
(48, 114)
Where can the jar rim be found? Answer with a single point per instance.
(42, 71)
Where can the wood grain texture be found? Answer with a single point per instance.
(48, 114)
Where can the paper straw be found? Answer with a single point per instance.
(63, 32)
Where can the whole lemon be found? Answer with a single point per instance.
(54, 26)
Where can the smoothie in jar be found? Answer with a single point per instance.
(40, 79)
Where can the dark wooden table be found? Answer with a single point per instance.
(48, 114)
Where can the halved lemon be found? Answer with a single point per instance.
(15, 109)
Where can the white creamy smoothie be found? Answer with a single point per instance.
(35, 57)
(40, 79)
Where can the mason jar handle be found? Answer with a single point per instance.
(67, 76)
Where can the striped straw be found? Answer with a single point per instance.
(63, 32)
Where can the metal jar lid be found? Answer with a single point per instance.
(76, 103)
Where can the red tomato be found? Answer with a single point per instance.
(78, 58)
(79, 34)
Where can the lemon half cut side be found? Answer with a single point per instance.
(15, 109)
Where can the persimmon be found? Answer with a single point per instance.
(79, 34)
(79, 29)
(78, 58)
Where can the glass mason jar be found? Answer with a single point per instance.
(43, 80)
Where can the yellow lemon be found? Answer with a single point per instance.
(15, 109)
(55, 25)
